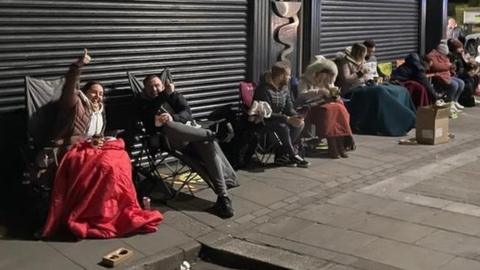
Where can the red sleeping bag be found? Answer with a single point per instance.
(94, 197)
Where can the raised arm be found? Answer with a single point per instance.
(69, 94)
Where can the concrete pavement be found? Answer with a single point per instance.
(388, 206)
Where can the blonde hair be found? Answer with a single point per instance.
(321, 65)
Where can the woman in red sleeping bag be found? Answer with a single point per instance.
(93, 194)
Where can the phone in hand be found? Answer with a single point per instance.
(161, 110)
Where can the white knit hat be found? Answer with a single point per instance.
(443, 49)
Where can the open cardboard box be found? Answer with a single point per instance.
(432, 124)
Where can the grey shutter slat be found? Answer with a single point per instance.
(204, 42)
(393, 24)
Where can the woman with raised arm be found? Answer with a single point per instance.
(93, 194)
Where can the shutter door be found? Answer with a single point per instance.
(204, 42)
(393, 24)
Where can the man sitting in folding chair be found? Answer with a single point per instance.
(285, 121)
(167, 111)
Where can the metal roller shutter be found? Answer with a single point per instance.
(393, 24)
(204, 42)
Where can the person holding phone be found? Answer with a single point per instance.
(285, 121)
(165, 111)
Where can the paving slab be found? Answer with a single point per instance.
(27, 255)
(292, 182)
(360, 201)
(452, 243)
(454, 186)
(260, 193)
(331, 238)
(392, 229)
(284, 227)
(88, 253)
(460, 264)
(334, 215)
(454, 222)
(282, 243)
(403, 256)
(152, 243)
(183, 223)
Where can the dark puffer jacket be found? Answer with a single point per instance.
(414, 70)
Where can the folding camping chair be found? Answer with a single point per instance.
(40, 153)
(267, 140)
(154, 158)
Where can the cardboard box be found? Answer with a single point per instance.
(432, 124)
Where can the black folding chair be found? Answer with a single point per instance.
(154, 158)
(40, 153)
(268, 141)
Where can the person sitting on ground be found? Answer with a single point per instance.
(93, 194)
(351, 71)
(166, 111)
(414, 69)
(330, 117)
(284, 119)
(470, 76)
(441, 71)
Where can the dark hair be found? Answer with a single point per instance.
(149, 78)
(369, 43)
(279, 68)
(454, 44)
(471, 65)
(89, 84)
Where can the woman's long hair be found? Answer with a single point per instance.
(358, 52)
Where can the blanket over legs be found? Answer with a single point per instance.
(94, 197)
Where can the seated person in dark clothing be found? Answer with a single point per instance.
(414, 69)
(284, 119)
(471, 78)
(167, 111)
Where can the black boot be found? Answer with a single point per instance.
(223, 207)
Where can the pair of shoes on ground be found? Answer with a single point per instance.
(459, 106)
(295, 161)
(223, 207)
(456, 107)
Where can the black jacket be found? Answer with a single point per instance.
(458, 62)
(175, 104)
(413, 70)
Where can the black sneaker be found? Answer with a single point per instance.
(285, 161)
(223, 207)
(301, 162)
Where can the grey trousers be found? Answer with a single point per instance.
(203, 141)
